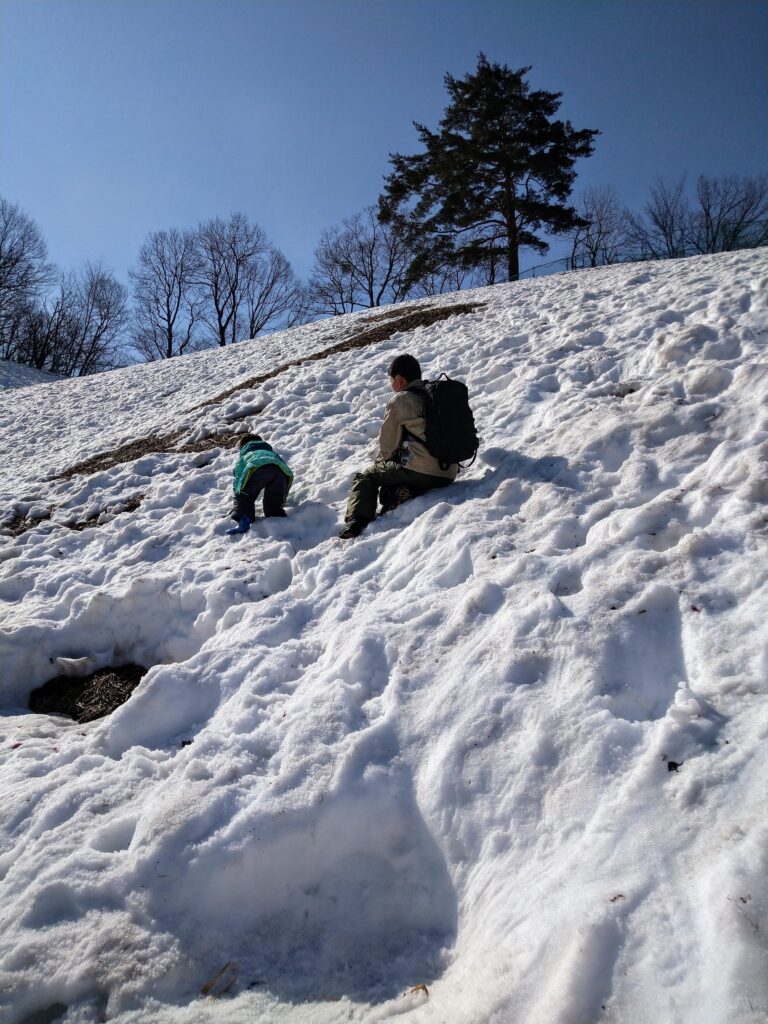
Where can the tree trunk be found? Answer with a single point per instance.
(513, 257)
(513, 261)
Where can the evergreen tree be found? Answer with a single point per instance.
(497, 172)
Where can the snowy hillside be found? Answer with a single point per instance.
(13, 375)
(500, 760)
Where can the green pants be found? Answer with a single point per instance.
(365, 487)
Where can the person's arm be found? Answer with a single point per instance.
(390, 435)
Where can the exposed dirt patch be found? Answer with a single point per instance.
(20, 524)
(218, 439)
(125, 453)
(392, 314)
(116, 510)
(392, 323)
(87, 698)
(623, 388)
(16, 526)
(155, 444)
(423, 316)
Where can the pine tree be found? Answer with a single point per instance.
(497, 172)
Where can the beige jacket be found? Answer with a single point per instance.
(405, 412)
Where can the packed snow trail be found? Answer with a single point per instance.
(506, 746)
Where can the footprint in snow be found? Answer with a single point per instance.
(643, 659)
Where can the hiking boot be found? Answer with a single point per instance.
(243, 526)
(353, 529)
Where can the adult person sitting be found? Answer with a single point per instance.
(403, 459)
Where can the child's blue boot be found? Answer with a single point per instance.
(243, 526)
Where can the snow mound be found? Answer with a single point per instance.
(14, 375)
(499, 759)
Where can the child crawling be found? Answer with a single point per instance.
(258, 468)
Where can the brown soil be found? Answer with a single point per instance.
(90, 697)
(423, 316)
(407, 318)
(394, 313)
(18, 525)
(125, 453)
(128, 506)
(155, 444)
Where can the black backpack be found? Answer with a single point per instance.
(450, 426)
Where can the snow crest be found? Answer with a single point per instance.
(497, 760)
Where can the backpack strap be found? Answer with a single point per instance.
(416, 388)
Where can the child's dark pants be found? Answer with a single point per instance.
(270, 479)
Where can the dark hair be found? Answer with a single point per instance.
(249, 437)
(405, 366)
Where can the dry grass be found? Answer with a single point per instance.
(423, 316)
(155, 444)
(125, 453)
(406, 318)
(90, 697)
(127, 506)
(19, 524)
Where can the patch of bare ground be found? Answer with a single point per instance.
(18, 525)
(155, 444)
(89, 697)
(125, 453)
(423, 316)
(394, 312)
(115, 510)
(405, 319)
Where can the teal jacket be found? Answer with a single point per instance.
(254, 455)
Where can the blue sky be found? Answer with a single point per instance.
(120, 117)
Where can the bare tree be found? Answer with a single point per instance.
(725, 214)
(94, 317)
(331, 287)
(603, 238)
(446, 279)
(731, 213)
(167, 306)
(272, 293)
(439, 278)
(224, 249)
(661, 231)
(359, 265)
(247, 284)
(79, 329)
(44, 331)
(24, 273)
(437, 272)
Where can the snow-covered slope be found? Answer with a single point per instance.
(501, 759)
(13, 375)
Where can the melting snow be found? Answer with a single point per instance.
(497, 760)
(13, 375)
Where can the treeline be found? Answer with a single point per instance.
(192, 289)
(717, 215)
(216, 284)
(493, 179)
(70, 324)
